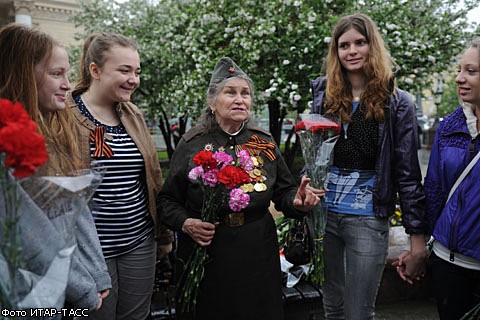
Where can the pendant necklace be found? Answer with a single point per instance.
(355, 103)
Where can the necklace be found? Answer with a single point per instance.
(112, 121)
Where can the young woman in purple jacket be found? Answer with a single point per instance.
(454, 221)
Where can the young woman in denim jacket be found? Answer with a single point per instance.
(374, 159)
(34, 71)
(455, 224)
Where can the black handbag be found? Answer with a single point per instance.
(297, 248)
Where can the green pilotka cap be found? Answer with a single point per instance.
(224, 69)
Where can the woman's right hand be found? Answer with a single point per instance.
(201, 232)
(102, 295)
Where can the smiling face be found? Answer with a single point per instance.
(119, 76)
(52, 80)
(468, 78)
(353, 49)
(232, 106)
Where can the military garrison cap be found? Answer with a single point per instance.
(224, 69)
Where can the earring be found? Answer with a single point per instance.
(213, 112)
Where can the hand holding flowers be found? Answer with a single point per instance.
(200, 231)
(318, 136)
(218, 175)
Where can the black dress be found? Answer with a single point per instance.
(242, 277)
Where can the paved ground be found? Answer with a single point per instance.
(396, 300)
(424, 309)
(401, 310)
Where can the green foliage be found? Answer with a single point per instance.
(424, 36)
(281, 44)
(450, 100)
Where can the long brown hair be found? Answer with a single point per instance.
(21, 49)
(378, 71)
(95, 50)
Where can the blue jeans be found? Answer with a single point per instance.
(355, 252)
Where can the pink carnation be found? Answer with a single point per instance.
(195, 173)
(210, 178)
(238, 200)
(223, 157)
(245, 160)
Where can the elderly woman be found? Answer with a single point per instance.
(242, 278)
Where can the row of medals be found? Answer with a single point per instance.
(258, 175)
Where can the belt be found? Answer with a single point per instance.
(238, 219)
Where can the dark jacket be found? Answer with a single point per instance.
(397, 168)
(242, 278)
(456, 224)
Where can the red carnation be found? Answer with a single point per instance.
(25, 149)
(233, 176)
(205, 159)
(314, 126)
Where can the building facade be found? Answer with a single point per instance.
(51, 16)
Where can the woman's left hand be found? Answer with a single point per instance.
(307, 197)
(411, 265)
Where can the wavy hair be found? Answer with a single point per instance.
(207, 118)
(22, 48)
(95, 50)
(378, 71)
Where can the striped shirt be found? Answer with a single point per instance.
(120, 203)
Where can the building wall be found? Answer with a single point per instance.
(51, 16)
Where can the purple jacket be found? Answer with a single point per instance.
(397, 167)
(456, 224)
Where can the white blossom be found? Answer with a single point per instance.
(431, 59)
(391, 26)
(285, 62)
(409, 81)
(294, 86)
(327, 39)
(297, 97)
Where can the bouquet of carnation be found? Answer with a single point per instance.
(37, 216)
(221, 182)
(318, 136)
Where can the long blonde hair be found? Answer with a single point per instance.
(378, 71)
(21, 49)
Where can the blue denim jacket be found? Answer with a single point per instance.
(455, 224)
(397, 167)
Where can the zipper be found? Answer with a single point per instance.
(452, 245)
